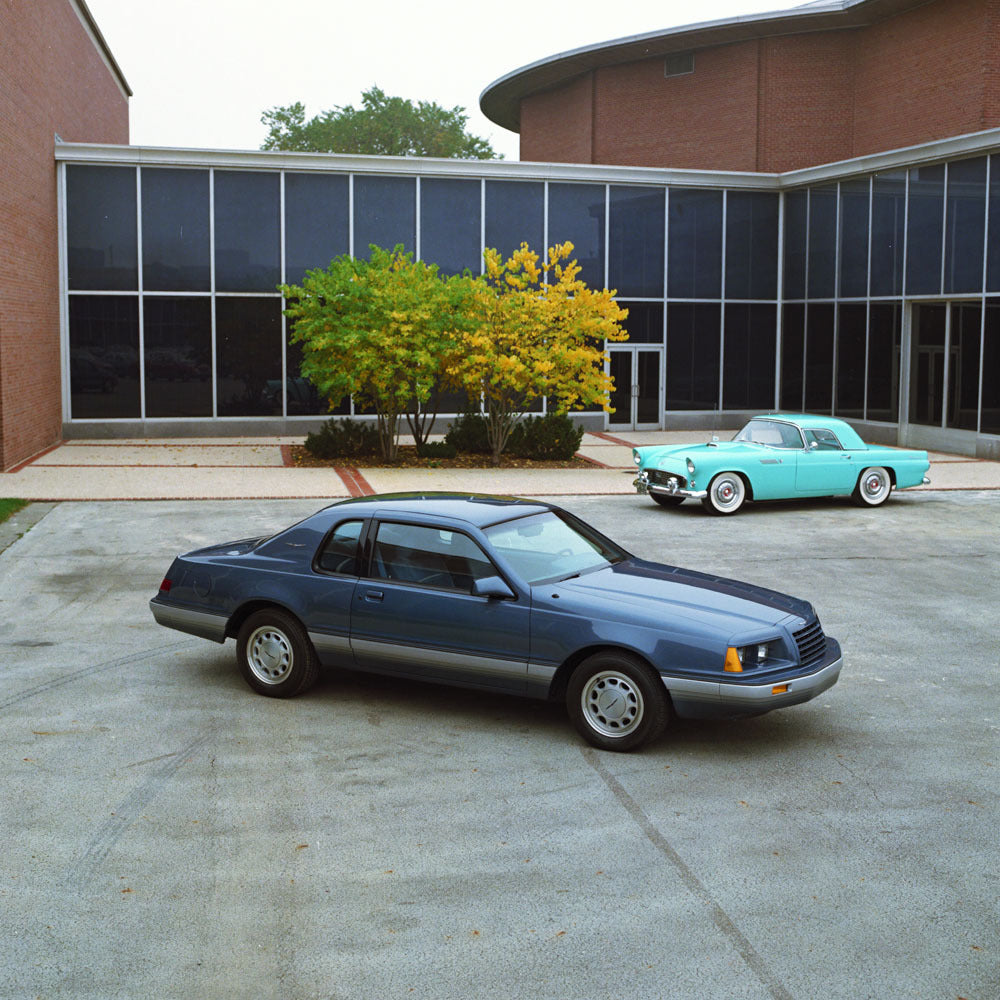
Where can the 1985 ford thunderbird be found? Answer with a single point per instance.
(501, 594)
(778, 457)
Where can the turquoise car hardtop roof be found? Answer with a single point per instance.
(848, 435)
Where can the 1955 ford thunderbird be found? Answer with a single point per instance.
(500, 594)
(778, 457)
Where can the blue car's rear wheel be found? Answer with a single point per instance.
(616, 701)
(275, 655)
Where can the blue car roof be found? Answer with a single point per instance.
(479, 509)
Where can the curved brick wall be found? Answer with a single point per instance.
(785, 102)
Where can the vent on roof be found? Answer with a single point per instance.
(678, 64)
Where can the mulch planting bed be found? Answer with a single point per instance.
(409, 459)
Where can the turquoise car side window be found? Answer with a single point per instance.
(772, 433)
(824, 439)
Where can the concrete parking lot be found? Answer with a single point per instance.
(169, 833)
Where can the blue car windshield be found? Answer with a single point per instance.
(546, 547)
(772, 433)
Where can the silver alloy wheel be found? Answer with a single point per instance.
(726, 492)
(875, 485)
(269, 654)
(612, 703)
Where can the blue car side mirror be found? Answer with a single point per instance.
(494, 587)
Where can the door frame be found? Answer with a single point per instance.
(614, 421)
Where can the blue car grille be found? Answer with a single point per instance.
(811, 643)
(661, 478)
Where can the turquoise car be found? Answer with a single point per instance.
(781, 456)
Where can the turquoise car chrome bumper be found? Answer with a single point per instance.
(672, 489)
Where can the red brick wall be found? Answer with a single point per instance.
(784, 102)
(52, 80)
(640, 114)
(556, 124)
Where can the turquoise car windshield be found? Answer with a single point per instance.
(772, 433)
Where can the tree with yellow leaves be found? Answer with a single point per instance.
(535, 330)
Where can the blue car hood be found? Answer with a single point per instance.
(637, 589)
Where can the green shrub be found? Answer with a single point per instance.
(553, 437)
(437, 449)
(468, 434)
(343, 439)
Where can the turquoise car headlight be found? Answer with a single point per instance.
(635, 457)
(690, 466)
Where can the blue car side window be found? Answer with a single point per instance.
(340, 553)
(430, 557)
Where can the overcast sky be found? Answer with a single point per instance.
(202, 71)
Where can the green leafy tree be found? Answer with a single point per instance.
(536, 330)
(387, 126)
(383, 330)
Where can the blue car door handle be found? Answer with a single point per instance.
(374, 595)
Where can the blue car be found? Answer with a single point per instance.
(778, 456)
(500, 594)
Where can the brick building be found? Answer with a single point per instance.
(58, 82)
(770, 93)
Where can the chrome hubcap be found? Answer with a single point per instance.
(612, 704)
(875, 485)
(727, 493)
(269, 654)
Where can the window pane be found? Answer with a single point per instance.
(694, 269)
(963, 375)
(793, 320)
(340, 553)
(888, 221)
(923, 244)
(854, 238)
(429, 557)
(748, 370)
(883, 361)
(576, 213)
(796, 215)
(751, 245)
(993, 250)
(248, 356)
(692, 356)
(927, 364)
(515, 215)
(449, 224)
(644, 322)
(103, 356)
(636, 241)
(247, 228)
(965, 226)
(991, 363)
(853, 321)
(177, 339)
(317, 222)
(175, 237)
(385, 213)
(822, 241)
(819, 358)
(102, 247)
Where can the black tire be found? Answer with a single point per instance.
(727, 493)
(665, 500)
(873, 488)
(617, 702)
(274, 654)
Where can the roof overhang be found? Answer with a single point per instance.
(501, 100)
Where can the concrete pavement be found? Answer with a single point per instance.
(260, 468)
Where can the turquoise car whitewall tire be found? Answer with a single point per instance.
(726, 494)
(873, 489)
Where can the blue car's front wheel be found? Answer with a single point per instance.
(616, 701)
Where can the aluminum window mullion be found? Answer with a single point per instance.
(63, 258)
(722, 302)
(779, 304)
(868, 295)
(836, 305)
(284, 319)
(983, 300)
(211, 270)
(142, 311)
(482, 224)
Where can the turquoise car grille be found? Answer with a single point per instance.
(661, 478)
(811, 643)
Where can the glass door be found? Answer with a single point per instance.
(637, 393)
